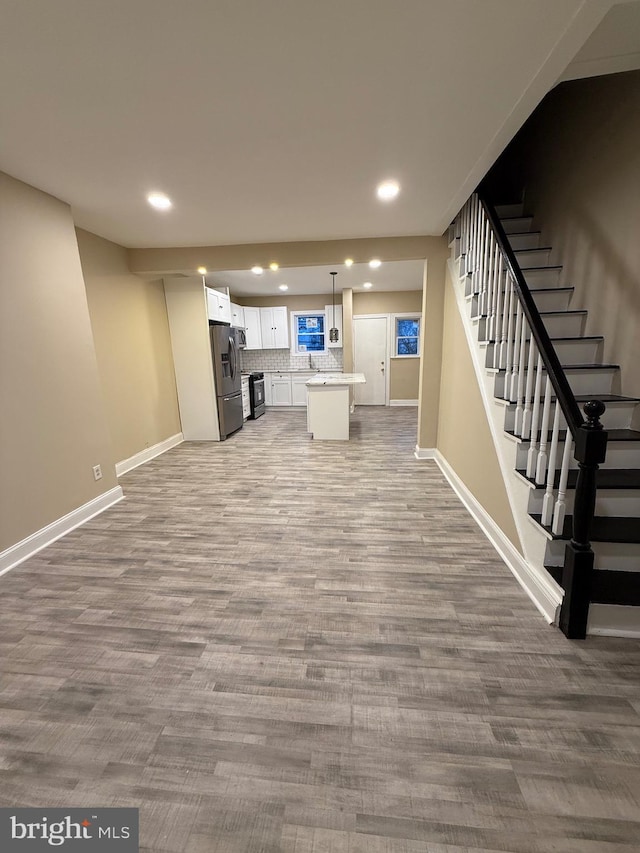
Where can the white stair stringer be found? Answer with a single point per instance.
(545, 593)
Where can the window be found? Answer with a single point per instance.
(309, 329)
(407, 336)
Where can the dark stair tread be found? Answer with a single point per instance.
(557, 338)
(535, 269)
(533, 249)
(576, 367)
(585, 398)
(608, 587)
(520, 233)
(612, 435)
(558, 313)
(604, 528)
(608, 478)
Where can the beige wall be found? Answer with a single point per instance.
(581, 161)
(464, 437)
(52, 419)
(404, 373)
(133, 348)
(431, 362)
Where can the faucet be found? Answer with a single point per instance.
(311, 367)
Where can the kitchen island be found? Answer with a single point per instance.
(328, 405)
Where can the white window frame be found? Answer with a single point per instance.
(309, 312)
(408, 315)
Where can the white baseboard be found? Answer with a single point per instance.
(542, 590)
(21, 551)
(403, 402)
(148, 454)
(425, 452)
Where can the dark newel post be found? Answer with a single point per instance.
(591, 446)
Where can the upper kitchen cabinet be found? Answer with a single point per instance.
(329, 325)
(237, 315)
(218, 305)
(274, 327)
(252, 327)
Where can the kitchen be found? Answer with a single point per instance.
(285, 337)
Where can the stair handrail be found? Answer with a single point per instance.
(590, 445)
(555, 371)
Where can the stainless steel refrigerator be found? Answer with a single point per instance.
(226, 369)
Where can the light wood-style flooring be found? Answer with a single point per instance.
(280, 646)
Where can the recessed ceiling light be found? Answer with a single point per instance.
(274, 266)
(388, 190)
(374, 263)
(202, 270)
(367, 284)
(348, 262)
(159, 200)
(257, 270)
(283, 287)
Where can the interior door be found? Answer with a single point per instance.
(370, 341)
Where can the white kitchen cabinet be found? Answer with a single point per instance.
(274, 327)
(246, 398)
(252, 327)
(329, 319)
(299, 389)
(237, 315)
(280, 389)
(267, 389)
(218, 305)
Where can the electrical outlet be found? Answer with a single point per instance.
(97, 472)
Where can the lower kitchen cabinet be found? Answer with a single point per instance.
(280, 389)
(299, 390)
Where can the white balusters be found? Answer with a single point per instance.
(541, 465)
(528, 394)
(560, 507)
(482, 301)
(510, 341)
(547, 504)
(515, 371)
(521, 376)
(506, 317)
(532, 456)
(499, 315)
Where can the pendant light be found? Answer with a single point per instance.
(333, 331)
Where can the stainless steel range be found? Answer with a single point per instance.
(256, 394)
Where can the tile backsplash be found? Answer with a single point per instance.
(282, 359)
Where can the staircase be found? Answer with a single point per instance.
(540, 370)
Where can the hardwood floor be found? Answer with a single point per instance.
(275, 645)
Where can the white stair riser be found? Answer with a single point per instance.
(524, 241)
(517, 224)
(609, 502)
(564, 325)
(569, 352)
(550, 300)
(620, 454)
(570, 325)
(530, 258)
(544, 277)
(617, 416)
(515, 209)
(614, 556)
(598, 380)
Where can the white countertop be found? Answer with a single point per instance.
(337, 379)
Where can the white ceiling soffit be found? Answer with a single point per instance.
(272, 121)
(614, 45)
(395, 276)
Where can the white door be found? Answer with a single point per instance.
(370, 337)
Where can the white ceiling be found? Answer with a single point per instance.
(397, 275)
(272, 120)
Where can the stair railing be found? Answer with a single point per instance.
(523, 354)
